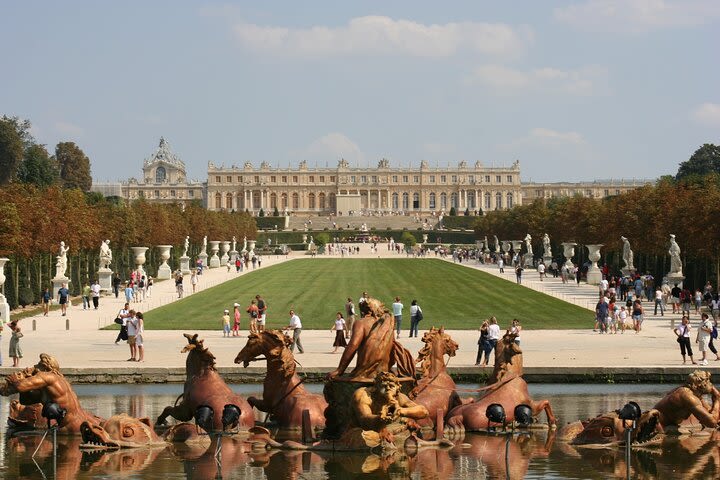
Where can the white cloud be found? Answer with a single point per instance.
(379, 35)
(583, 81)
(634, 16)
(707, 114)
(67, 128)
(331, 148)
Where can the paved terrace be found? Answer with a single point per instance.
(580, 352)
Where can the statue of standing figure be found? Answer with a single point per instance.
(187, 246)
(61, 265)
(234, 243)
(627, 254)
(497, 244)
(547, 250)
(105, 254)
(528, 244)
(675, 262)
(244, 244)
(204, 247)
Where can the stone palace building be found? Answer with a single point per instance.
(346, 190)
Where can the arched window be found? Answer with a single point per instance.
(160, 175)
(443, 201)
(487, 201)
(321, 200)
(406, 201)
(218, 201)
(432, 201)
(311, 201)
(454, 200)
(498, 201)
(295, 201)
(416, 201)
(283, 201)
(395, 205)
(509, 201)
(273, 200)
(228, 201)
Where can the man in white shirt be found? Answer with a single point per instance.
(95, 289)
(296, 326)
(541, 271)
(659, 301)
(704, 336)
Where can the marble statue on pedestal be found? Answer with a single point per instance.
(187, 246)
(61, 264)
(528, 244)
(547, 250)
(675, 262)
(105, 255)
(627, 255)
(497, 244)
(244, 244)
(204, 246)
(234, 243)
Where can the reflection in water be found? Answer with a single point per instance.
(475, 456)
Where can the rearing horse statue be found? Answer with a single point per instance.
(506, 387)
(435, 389)
(205, 386)
(284, 396)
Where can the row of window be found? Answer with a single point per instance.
(570, 193)
(364, 178)
(173, 194)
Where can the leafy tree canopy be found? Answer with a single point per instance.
(11, 149)
(706, 159)
(74, 166)
(37, 167)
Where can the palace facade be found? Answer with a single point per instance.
(344, 190)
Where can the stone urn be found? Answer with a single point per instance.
(4, 307)
(225, 249)
(304, 238)
(139, 254)
(164, 270)
(506, 246)
(517, 245)
(594, 275)
(214, 248)
(251, 248)
(425, 237)
(569, 252)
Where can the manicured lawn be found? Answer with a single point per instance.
(450, 295)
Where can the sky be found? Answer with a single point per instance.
(574, 90)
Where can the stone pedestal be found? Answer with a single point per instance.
(214, 259)
(4, 306)
(164, 271)
(105, 279)
(547, 260)
(139, 254)
(185, 265)
(204, 259)
(594, 275)
(225, 257)
(673, 279)
(58, 283)
(233, 256)
(628, 272)
(569, 252)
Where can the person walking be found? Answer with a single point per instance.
(252, 310)
(194, 280)
(713, 337)
(637, 315)
(63, 299)
(226, 323)
(683, 338)
(95, 293)
(349, 316)
(296, 326)
(715, 307)
(518, 273)
(128, 292)
(179, 285)
(86, 291)
(541, 271)
(416, 314)
(46, 300)
(397, 313)
(339, 329)
(139, 336)
(262, 308)
(15, 349)
(149, 286)
(493, 335)
(116, 285)
(501, 265)
(659, 301)
(132, 332)
(601, 314)
(704, 336)
(236, 320)
(483, 345)
(123, 315)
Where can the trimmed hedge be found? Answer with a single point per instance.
(445, 237)
(460, 222)
(269, 223)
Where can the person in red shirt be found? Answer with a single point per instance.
(254, 313)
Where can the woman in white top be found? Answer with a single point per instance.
(339, 328)
(140, 330)
(515, 329)
(131, 324)
(683, 338)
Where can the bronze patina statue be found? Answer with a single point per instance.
(40, 384)
(284, 396)
(684, 402)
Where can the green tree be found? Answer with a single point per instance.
(11, 150)
(408, 239)
(706, 159)
(74, 166)
(453, 212)
(322, 239)
(276, 213)
(37, 167)
(262, 213)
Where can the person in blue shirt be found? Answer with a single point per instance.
(63, 298)
(46, 299)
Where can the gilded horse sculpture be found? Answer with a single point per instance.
(284, 397)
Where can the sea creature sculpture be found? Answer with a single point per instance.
(205, 386)
(609, 428)
(284, 396)
(505, 387)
